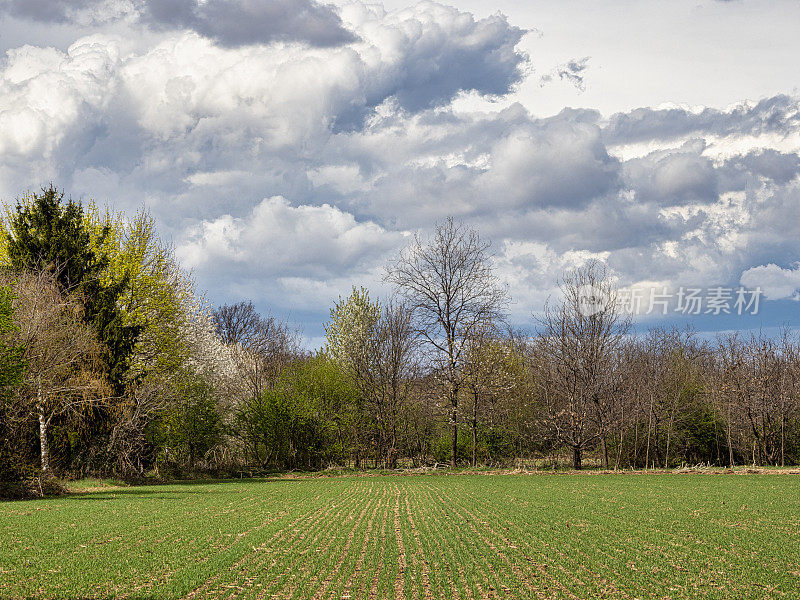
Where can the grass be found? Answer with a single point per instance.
(415, 536)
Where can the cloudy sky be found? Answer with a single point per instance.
(289, 148)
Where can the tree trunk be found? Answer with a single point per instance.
(669, 436)
(576, 458)
(636, 441)
(392, 453)
(455, 437)
(475, 443)
(730, 441)
(45, 448)
(649, 427)
(475, 432)
(604, 446)
(356, 449)
(454, 405)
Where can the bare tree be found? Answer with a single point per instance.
(396, 367)
(141, 406)
(261, 345)
(238, 323)
(63, 375)
(448, 282)
(759, 387)
(675, 385)
(578, 345)
(788, 386)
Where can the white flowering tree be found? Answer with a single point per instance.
(353, 323)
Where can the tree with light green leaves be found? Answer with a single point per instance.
(176, 340)
(105, 251)
(493, 369)
(140, 303)
(157, 298)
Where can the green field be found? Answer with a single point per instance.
(428, 536)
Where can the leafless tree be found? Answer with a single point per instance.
(579, 342)
(788, 386)
(239, 323)
(758, 392)
(386, 370)
(677, 360)
(448, 282)
(63, 375)
(141, 406)
(261, 345)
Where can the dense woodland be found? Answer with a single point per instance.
(112, 363)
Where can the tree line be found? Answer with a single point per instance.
(111, 362)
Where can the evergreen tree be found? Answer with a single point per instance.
(47, 233)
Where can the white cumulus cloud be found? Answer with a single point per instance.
(775, 282)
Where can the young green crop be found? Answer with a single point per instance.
(436, 536)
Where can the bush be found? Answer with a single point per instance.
(32, 487)
(442, 448)
(296, 423)
(191, 427)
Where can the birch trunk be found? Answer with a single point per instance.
(43, 422)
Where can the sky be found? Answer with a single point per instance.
(289, 149)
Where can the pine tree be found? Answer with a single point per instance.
(47, 233)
